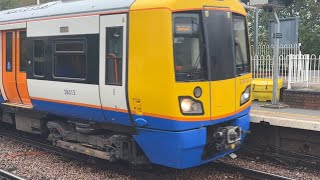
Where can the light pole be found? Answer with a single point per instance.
(38, 2)
(276, 36)
(256, 31)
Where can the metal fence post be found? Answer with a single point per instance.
(290, 71)
(307, 57)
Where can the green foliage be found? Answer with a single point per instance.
(309, 27)
(9, 4)
(307, 10)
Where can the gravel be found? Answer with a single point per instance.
(31, 163)
(206, 172)
(295, 172)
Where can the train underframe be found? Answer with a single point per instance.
(179, 150)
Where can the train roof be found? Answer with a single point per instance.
(64, 7)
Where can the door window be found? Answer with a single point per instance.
(114, 47)
(220, 44)
(23, 49)
(9, 51)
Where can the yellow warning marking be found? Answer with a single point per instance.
(289, 114)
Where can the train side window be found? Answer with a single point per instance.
(23, 48)
(70, 59)
(38, 54)
(9, 51)
(114, 47)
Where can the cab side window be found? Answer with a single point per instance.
(114, 48)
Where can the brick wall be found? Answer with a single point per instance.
(302, 99)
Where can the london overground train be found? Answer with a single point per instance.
(161, 82)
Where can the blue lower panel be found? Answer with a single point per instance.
(173, 125)
(80, 112)
(1, 99)
(94, 114)
(179, 149)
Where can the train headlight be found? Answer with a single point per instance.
(245, 96)
(190, 106)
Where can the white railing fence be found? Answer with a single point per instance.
(262, 67)
(304, 70)
(284, 50)
(295, 69)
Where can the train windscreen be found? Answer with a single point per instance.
(189, 48)
(212, 47)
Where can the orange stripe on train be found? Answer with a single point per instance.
(146, 113)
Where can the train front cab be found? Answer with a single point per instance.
(189, 80)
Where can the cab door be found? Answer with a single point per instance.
(14, 67)
(220, 43)
(113, 57)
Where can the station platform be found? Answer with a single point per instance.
(287, 117)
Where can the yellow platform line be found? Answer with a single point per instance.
(288, 114)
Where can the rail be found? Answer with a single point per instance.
(8, 176)
(140, 174)
(281, 155)
(250, 173)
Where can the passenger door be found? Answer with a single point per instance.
(14, 67)
(113, 40)
(21, 67)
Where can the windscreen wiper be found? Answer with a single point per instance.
(196, 64)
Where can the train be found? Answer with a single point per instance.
(146, 82)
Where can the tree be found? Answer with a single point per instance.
(309, 28)
(9, 4)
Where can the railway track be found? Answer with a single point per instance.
(250, 173)
(139, 174)
(4, 175)
(283, 156)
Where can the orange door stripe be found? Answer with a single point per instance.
(9, 78)
(67, 102)
(21, 77)
(80, 104)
